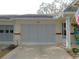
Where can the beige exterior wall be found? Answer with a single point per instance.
(58, 30)
(7, 22)
(17, 35)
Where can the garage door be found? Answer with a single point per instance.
(6, 33)
(38, 33)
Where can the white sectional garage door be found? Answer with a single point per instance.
(38, 33)
(6, 33)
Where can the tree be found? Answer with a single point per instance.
(56, 8)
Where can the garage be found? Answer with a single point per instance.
(38, 33)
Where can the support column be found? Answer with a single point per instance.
(68, 40)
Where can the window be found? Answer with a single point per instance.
(11, 31)
(63, 30)
(7, 31)
(1, 31)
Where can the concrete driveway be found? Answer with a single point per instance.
(41, 52)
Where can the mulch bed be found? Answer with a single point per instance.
(6, 50)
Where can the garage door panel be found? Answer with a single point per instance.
(29, 33)
(38, 33)
(33, 33)
(46, 33)
(42, 33)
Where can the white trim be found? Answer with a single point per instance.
(30, 19)
(69, 12)
(68, 41)
(6, 42)
(43, 43)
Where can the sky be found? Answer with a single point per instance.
(20, 7)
